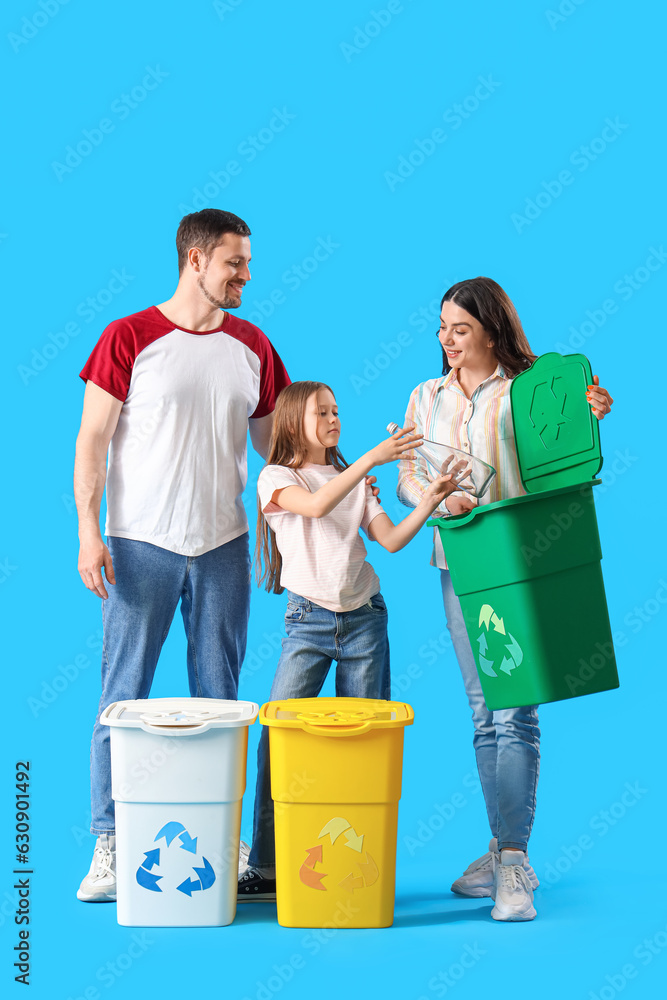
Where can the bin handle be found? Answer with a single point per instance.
(195, 730)
(197, 723)
(336, 723)
(315, 730)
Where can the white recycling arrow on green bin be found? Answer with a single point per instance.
(513, 654)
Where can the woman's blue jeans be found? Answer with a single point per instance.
(214, 593)
(316, 637)
(506, 742)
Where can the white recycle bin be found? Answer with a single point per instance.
(178, 774)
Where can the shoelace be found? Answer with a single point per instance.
(484, 862)
(513, 877)
(103, 857)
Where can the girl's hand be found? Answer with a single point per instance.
(599, 399)
(393, 448)
(439, 488)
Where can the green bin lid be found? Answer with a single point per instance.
(556, 433)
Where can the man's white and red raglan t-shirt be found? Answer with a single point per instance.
(177, 460)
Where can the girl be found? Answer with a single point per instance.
(311, 505)
(483, 348)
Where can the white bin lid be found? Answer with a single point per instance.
(179, 716)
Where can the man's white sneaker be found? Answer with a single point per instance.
(244, 851)
(512, 891)
(477, 879)
(99, 885)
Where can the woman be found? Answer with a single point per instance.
(483, 348)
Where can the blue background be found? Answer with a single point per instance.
(359, 99)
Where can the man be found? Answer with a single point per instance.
(171, 393)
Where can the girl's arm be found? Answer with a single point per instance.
(298, 500)
(395, 536)
(412, 475)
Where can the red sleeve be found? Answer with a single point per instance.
(110, 365)
(273, 379)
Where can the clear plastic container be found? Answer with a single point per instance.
(476, 476)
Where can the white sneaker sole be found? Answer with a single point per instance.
(97, 897)
(528, 914)
(472, 892)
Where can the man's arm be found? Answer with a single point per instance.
(98, 423)
(260, 433)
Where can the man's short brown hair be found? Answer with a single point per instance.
(205, 230)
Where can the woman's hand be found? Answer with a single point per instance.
(460, 505)
(599, 399)
(393, 448)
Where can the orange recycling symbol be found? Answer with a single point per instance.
(367, 870)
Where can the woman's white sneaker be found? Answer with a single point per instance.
(477, 879)
(99, 885)
(512, 891)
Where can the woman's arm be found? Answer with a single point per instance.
(320, 503)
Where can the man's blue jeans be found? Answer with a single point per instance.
(506, 742)
(357, 640)
(214, 592)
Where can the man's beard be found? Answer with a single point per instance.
(226, 303)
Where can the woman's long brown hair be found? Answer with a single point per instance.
(288, 447)
(491, 306)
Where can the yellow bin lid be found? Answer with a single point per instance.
(336, 716)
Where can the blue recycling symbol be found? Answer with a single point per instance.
(170, 831)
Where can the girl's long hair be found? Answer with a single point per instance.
(491, 306)
(288, 447)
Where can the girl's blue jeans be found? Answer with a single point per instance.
(357, 640)
(506, 742)
(214, 593)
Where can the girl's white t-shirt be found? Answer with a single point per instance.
(324, 559)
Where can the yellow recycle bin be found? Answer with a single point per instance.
(336, 766)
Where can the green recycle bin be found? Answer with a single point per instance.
(527, 570)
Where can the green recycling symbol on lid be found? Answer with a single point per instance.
(494, 642)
